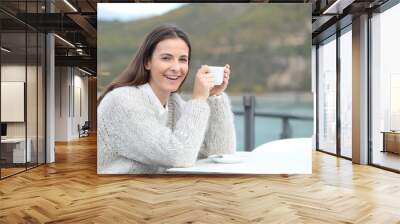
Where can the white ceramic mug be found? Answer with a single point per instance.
(218, 73)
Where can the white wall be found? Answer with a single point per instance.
(33, 125)
(71, 93)
(12, 100)
(61, 103)
(12, 73)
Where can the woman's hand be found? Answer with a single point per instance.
(217, 90)
(203, 83)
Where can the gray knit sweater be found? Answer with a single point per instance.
(131, 138)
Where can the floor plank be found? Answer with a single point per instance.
(70, 191)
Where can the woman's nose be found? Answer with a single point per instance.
(175, 66)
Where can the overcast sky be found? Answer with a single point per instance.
(133, 11)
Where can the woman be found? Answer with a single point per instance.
(144, 126)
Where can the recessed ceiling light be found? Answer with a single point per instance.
(84, 71)
(5, 49)
(338, 6)
(64, 40)
(71, 6)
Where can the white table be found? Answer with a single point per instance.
(19, 149)
(288, 156)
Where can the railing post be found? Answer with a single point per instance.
(286, 129)
(249, 105)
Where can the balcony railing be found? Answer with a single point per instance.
(249, 117)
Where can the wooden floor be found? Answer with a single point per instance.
(70, 191)
(10, 171)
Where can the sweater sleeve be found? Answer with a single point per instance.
(220, 137)
(134, 132)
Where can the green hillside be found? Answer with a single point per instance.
(267, 45)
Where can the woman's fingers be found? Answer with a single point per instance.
(207, 79)
(225, 83)
(204, 69)
(203, 83)
(227, 72)
(210, 83)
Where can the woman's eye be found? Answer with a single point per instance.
(184, 60)
(165, 58)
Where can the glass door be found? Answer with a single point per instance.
(327, 95)
(346, 93)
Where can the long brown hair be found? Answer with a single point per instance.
(135, 73)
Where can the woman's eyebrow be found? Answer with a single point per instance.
(168, 54)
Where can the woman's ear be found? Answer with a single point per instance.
(147, 65)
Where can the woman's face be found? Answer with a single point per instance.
(168, 65)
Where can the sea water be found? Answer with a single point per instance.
(269, 129)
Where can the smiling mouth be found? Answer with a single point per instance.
(172, 77)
